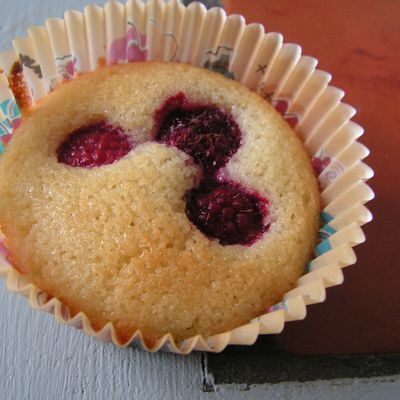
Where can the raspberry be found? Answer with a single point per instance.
(221, 210)
(225, 211)
(209, 135)
(94, 145)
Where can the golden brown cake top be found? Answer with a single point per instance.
(137, 233)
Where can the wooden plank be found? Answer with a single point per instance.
(266, 362)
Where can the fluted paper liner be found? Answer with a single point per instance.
(169, 31)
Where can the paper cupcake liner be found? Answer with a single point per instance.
(169, 31)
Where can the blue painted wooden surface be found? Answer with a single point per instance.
(40, 359)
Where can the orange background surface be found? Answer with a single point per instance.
(358, 42)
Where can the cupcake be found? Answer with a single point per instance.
(165, 206)
(159, 197)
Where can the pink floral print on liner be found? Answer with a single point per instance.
(282, 107)
(131, 47)
(66, 67)
(320, 164)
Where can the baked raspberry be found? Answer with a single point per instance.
(208, 134)
(94, 145)
(227, 212)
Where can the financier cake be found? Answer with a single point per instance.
(160, 197)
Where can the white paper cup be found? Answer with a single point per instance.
(169, 31)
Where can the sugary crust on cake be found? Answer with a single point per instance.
(114, 241)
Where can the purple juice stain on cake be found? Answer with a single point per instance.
(94, 145)
(228, 212)
(205, 132)
(220, 209)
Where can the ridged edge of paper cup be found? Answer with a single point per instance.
(169, 31)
